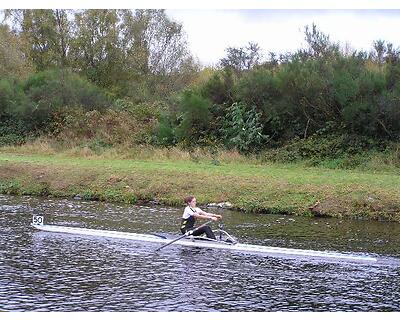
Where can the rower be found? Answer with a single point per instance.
(191, 213)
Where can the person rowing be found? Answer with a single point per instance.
(191, 213)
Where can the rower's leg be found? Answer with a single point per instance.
(207, 230)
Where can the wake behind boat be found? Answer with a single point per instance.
(228, 243)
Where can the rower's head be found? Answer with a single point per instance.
(190, 201)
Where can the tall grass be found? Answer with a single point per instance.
(376, 161)
(48, 146)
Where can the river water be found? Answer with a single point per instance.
(41, 271)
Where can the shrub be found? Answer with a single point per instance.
(194, 117)
(165, 131)
(339, 151)
(242, 128)
(100, 130)
(53, 89)
(36, 100)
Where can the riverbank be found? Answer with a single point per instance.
(264, 188)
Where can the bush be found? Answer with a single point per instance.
(242, 128)
(34, 102)
(218, 89)
(59, 88)
(166, 130)
(13, 131)
(258, 88)
(194, 117)
(139, 111)
(11, 139)
(328, 150)
(100, 130)
(12, 98)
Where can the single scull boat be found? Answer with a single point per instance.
(228, 244)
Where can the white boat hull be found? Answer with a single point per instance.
(271, 251)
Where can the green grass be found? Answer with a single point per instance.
(274, 188)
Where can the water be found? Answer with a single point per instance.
(42, 271)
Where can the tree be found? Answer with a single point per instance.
(243, 58)
(96, 48)
(63, 26)
(380, 50)
(152, 36)
(156, 51)
(142, 54)
(319, 45)
(383, 52)
(13, 61)
(47, 33)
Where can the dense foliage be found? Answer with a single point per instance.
(110, 74)
(31, 105)
(322, 90)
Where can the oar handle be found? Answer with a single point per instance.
(188, 233)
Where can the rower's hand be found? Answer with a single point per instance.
(219, 217)
(214, 218)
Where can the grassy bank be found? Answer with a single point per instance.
(274, 188)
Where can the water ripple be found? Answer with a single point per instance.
(54, 272)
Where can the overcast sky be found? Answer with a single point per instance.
(210, 32)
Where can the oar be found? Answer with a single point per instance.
(188, 233)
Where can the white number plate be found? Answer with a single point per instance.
(37, 220)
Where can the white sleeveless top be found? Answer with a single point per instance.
(189, 212)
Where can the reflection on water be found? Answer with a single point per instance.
(44, 271)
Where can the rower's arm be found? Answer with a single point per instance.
(210, 214)
(204, 215)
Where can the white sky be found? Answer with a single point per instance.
(210, 32)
